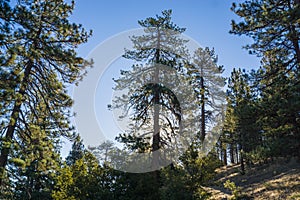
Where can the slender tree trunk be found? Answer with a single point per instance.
(224, 144)
(297, 49)
(242, 150)
(237, 154)
(242, 161)
(13, 121)
(224, 149)
(156, 128)
(231, 152)
(202, 96)
(295, 41)
(219, 150)
(294, 36)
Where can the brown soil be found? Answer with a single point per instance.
(279, 179)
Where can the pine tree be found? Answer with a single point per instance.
(274, 27)
(76, 152)
(159, 55)
(105, 152)
(206, 78)
(154, 49)
(241, 119)
(39, 158)
(85, 179)
(229, 135)
(40, 60)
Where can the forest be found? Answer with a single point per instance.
(188, 122)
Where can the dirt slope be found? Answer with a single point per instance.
(279, 179)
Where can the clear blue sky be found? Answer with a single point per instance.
(206, 21)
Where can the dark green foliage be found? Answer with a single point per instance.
(274, 27)
(175, 183)
(38, 62)
(243, 101)
(262, 117)
(76, 152)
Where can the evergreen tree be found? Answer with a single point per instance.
(153, 49)
(35, 160)
(38, 43)
(229, 137)
(105, 152)
(86, 179)
(76, 152)
(241, 122)
(208, 83)
(274, 27)
(156, 111)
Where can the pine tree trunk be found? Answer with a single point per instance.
(231, 148)
(156, 128)
(231, 152)
(294, 36)
(295, 41)
(13, 121)
(237, 154)
(242, 162)
(224, 155)
(202, 128)
(219, 150)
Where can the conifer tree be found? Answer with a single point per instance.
(35, 160)
(38, 43)
(152, 52)
(241, 119)
(76, 152)
(274, 28)
(156, 111)
(206, 77)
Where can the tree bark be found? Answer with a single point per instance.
(224, 149)
(156, 128)
(242, 161)
(13, 120)
(231, 151)
(202, 91)
(237, 154)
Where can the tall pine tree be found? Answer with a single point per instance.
(38, 43)
(156, 111)
(274, 28)
(208, 83)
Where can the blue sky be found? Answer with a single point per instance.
(206, 21)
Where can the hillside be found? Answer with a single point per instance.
(279, 179)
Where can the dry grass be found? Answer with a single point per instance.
(279, 179)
